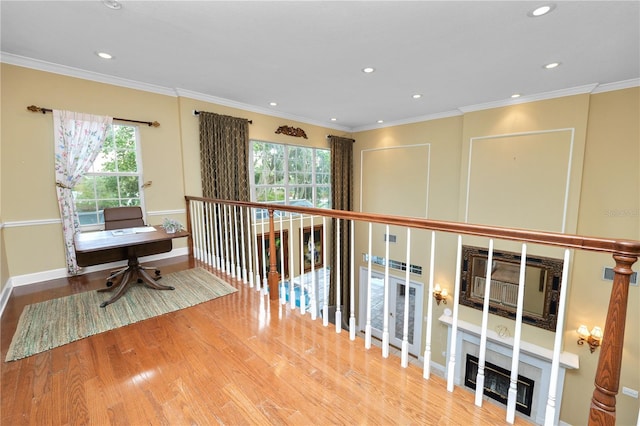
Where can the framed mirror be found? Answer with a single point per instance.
(542, 285)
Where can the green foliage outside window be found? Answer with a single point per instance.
(114, 178)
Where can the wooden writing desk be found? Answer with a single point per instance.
(95, 248)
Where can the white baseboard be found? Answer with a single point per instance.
(37, 277)
(4, 297)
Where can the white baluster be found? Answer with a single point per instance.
(454, 326)
(407, 293)
(208, 235)
(483, 332)
(230, 220)
(251, 246)
(256, 257)
(352, 281)
(325, 282)
(385, 322)
(243, 238)
(550, 414)
(515, 359)
(217, 223)
(427, 346)
(367, 328)
(281, 293)
(292, 293)
(303, 300)
(312, 258)
(338, 286)
(236, 243)
(265, 282)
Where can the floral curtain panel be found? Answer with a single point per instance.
(78, 140)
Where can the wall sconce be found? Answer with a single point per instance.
(592, 338)
(440, 294)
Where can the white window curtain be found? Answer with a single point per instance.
(78, 140)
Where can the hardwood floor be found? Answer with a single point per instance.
(234, 360)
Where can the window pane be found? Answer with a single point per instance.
(129, 187)
(87, 212)
(269, 194)
(103, 204)
(85, 189)
(106, 187)
(301, 196)
(323, 197)
(300, 165)
(268, 163)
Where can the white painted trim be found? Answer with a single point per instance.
(23, 61)
(27, 279)
(618, 85)
(259, 110)
(412, 120)
(536, 132)
(428, 145)
(166, 212)
(37, 222)
(4, 297)
(580, 90)
(36, 64)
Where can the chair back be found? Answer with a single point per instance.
(122, 217)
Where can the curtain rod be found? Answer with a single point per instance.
(34, 108)
(333, 136)
(196, 112)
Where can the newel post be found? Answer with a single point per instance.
(272, 275)
(603, 402)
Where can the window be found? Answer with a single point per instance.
(114, 179)
(288, 174)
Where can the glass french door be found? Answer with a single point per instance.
(397, 295)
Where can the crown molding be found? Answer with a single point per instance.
(411, 120)
(618, 85)
(252, 108)
(36, 64)
(580, 90)
(22, 61)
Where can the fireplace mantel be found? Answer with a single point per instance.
(533, 358)
(568, 360)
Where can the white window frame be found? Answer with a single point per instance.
(287, 187)
(100, 226)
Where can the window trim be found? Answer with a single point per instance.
(139, 174)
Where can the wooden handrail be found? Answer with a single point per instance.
(625, 254)
(604, 245)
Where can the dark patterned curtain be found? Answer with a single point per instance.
(341, 194)
(224, 153)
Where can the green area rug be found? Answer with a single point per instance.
(47, 325)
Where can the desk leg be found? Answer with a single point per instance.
(151, 283)
(122, 288)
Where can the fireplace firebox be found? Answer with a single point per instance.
(496, 384)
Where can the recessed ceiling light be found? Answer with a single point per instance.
(368, 70)
(112, 4)
(542, 10)
(104, 55)
(515, 95)
(552, 65)
(417, 96)
(334, 119)
(380, 121)
(273, 103)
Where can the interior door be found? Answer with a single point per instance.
(397, 295)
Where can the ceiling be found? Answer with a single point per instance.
(308, 56)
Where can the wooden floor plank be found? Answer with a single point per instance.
(239, 359)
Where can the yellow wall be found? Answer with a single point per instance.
(604, 198)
